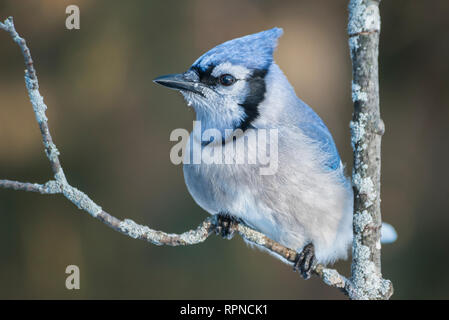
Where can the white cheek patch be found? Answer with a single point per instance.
(239, 72)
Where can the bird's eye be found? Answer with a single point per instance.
(227, 79)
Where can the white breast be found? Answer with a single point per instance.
(298, 204)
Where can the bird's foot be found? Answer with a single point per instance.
(226, 225)
(305, 261)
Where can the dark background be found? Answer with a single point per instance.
(112, 126)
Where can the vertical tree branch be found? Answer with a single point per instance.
(366, 132)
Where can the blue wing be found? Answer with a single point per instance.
(314, 128)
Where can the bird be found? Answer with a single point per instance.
(305, 203)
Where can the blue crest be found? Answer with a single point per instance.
(254, 51)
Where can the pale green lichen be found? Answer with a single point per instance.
(81, 200)
(364, 186)
(193, 236)
(36, 99)
(357, 93)
(52, 151)
(332, 278)
(60, 177)
(134, 230)
(252, 235)
(365, 276)
(363, 16)
(361, 220)
(52, 187)
(138, 231)
(358, 129)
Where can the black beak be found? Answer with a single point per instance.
(179, 82)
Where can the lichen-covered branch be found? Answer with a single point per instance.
(191, 237)
(128, 227)
(366, 133)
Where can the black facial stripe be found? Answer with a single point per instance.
(206, 75)
(257, 89)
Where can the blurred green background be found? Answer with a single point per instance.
(112, 126)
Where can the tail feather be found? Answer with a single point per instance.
(388, 233)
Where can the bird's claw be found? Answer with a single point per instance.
(305, 261)
(226, 226)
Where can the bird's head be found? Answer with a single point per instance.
(226, 84)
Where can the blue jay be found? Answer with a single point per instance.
(307, 203)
